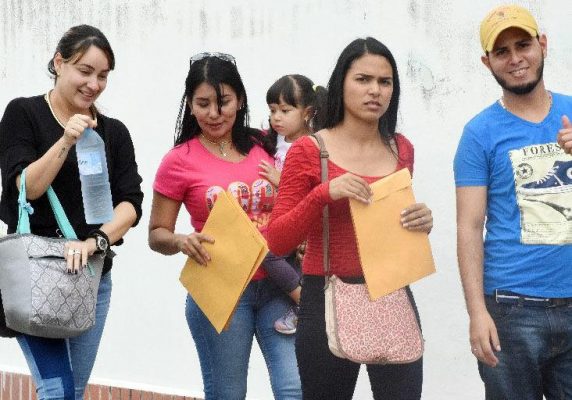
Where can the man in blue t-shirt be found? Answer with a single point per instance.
(514, 171)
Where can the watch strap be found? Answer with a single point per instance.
(98, 232)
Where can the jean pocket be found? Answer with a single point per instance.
(500, 311)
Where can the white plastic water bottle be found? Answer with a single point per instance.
(95, 188)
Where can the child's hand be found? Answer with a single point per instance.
(301, 252)
(269, 172)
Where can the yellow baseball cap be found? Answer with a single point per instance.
(504, 17)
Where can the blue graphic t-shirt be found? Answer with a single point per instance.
(528, 241)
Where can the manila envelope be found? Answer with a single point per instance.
(391, 256)
(237, 253)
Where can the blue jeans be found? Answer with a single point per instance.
(61, 367)
(224, 357)
(536, 353)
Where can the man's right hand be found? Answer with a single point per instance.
(484, 338)
(565, 135)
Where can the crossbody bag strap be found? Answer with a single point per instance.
(324, 155)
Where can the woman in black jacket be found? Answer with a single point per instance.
(39, 134)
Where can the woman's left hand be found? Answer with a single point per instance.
(269, 172)
(77, 252)
(417, 217)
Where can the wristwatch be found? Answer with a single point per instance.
(101, 241)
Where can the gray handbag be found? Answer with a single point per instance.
(39, 297)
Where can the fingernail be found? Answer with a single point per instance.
(498, 348)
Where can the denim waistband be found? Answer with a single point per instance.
(508, 297)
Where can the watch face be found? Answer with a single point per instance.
(101, 243)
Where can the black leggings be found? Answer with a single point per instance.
(325, 376)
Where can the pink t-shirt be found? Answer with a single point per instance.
(189, 173)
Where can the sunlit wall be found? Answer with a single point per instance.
(147, 343)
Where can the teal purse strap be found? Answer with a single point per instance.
(25, 210)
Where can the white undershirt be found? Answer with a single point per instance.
(282, 147)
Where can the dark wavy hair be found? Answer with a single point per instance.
(76, 41)
(335, 103)
(216, 72)
(298, 91)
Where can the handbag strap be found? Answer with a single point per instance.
(25, 210)
(324, 155)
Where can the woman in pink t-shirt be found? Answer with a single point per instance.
(215, 150)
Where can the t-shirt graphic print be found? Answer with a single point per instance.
(256, 200)
(543, 182)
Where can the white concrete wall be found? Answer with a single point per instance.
(146, 342)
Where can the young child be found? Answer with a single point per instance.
(296, 107)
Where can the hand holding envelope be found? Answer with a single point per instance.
(237, 253)
(391, 256)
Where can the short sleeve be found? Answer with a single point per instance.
(406, 152)
(170, 175)
(471, 165)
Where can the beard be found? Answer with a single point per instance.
(525, 88)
